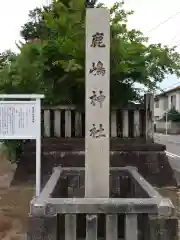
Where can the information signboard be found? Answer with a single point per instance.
(21, 119)
(18, 120)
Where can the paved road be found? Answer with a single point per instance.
(172, 143)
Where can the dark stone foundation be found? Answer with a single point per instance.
(149, 158)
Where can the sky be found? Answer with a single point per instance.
(148, 15)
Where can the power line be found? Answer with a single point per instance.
(161, 23)
(172, 39)
(176, 44)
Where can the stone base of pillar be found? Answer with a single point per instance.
(42, 228)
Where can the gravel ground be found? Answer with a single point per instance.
(14, 209)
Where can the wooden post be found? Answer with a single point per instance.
(97, 102)
(149, 119)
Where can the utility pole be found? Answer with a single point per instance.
(48, 2)
(166, 121)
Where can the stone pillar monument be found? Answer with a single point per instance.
(97, 102)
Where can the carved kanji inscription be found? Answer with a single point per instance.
(97, 132)
(97, 69)
(97, 40)
(97, 98)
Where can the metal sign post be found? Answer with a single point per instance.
(97, 102)
(22, 120)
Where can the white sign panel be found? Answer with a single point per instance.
(97, 102)
(18, 120)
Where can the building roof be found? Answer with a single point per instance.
(164, 93)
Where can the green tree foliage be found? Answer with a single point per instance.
(36, 27)
(172, 115)
(52, 59)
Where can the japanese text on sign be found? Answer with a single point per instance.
(17, 120)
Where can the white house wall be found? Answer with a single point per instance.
(177, 94)
(159, 112)
(178, 101)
